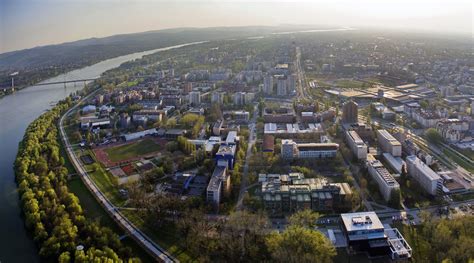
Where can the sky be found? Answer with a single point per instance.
(30, 23)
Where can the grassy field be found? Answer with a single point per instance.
(466, 152)
(128, 151)
(104, 180)
(453, 156)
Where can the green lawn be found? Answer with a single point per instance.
(128, 151)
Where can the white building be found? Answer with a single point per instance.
(217, 97)
(268, 84)
(429, 180)
(282, 88)
(218, 185)
(242, 98)
(291, 83)
(292, 150)
(384, 179)
(395, 163)
(388, 143)
(453, 130)
(195, 98)
(358, 147)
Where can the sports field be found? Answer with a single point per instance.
(132, 150)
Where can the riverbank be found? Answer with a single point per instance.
(18, 111)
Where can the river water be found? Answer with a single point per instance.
(16, 112)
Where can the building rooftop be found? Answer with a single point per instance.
(317, 146)
(226, 149)
(231, 137)
(385, 134)
(361, 221)
(383, 173)
(356, 138)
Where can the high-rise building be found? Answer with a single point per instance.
(188, 87)
(472, 107)
(350, 112)
(217, 97)
(268, 84)
(195, 98)
(239, 98)
(282, 82)
(291, 83)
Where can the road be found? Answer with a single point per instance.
(280, 224)
(142, 239)
(251, 142)
(301, 87)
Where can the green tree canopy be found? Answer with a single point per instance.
(298, 245)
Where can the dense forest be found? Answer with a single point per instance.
(441, 240)
(54, 215)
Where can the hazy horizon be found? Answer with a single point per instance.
(30, 23)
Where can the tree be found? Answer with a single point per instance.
(433, 136)
(304, 218)
(242, 237)
(298, 244)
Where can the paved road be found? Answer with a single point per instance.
(251, 142)
(143, 240)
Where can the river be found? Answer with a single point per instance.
(16, 112)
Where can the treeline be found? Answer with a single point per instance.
(53, 214)
(442, 240)
(239, 237)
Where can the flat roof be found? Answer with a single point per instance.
(361, 221)
(355, 137)
(317, 146)
(385, 134)
(383, 173)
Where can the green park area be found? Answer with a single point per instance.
(127, 151)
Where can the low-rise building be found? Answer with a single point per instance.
(292, 150)
(289, 193)
(453, 130)
(155, 115)
(279, 115)
(140, 134)
(292, 130)
(429, 180)
(365, 233)
(94, 123)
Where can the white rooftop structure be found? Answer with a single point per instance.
(361, 221)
